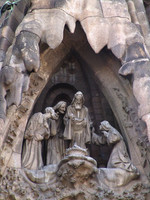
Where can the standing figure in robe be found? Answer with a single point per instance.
(37, 130)
(55, 146)
(77, 123)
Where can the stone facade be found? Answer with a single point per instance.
(48, 52)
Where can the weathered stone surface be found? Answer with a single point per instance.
(48, 25)
(141, 14)
(81, 9)
(132, 11)
(27, 47)
(77, 122)
(55, 143)
(114, 28)
(140, 87)
(94, 27)
(64, 182)
(115, 8)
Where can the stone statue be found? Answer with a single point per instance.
(37, 130)
(77, 123)
(119, 157)
(120, 171)
(56, 147)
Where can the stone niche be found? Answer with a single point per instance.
(81, 174)
(107, 97)
(71, 76)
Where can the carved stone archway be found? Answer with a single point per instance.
(103, 68)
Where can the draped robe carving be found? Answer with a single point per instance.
(77, 123)
(37, 130)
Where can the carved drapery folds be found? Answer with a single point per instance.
(119, 164)
(55, 143)
(76, 131)
(37, 130)
(77, 167)
(77, 122)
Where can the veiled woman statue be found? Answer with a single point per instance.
(55, 146)
(119, 157)
(120, 170)
(37, 130)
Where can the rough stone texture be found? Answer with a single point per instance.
(17, 119)
(9, 21)
(64, 182)
(142, 83)
(141, 14)
(127, 45)
(147, 7)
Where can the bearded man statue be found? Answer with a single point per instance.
(77, 123)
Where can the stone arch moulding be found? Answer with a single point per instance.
(52, 95)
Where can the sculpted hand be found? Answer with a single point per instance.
(38, 137)
(78, 120)
(72, 117)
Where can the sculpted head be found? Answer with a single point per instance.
(78, 100)
(50, 113)
(109, 132)
(60, 107)
(104, 126)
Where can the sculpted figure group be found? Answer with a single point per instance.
(56, 128)
(62, 127)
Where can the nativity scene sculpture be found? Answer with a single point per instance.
(109, 28)
(119, 171)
